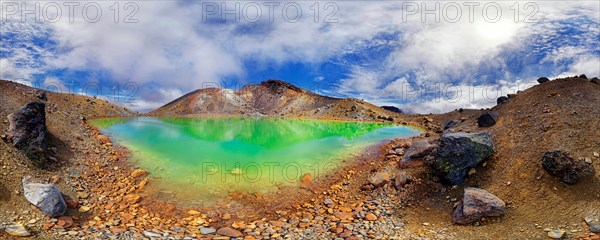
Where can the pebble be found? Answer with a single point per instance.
(17, 230)
(370, 217)
(328, 201)
(206, 231)
(151, 234)
(556, 234)
(83, 195)
(596, 154)
(230, 232)
(84, 209)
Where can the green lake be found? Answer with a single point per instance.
(207, 158)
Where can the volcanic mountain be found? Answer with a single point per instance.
(271, 98)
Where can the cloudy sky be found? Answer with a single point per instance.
(420, 56)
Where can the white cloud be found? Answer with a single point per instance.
(172, 50)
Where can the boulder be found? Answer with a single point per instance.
(569, 170)
(543, 80)
(450, 124)
(501, 100)
(583, 76)
(379, 179)
(418, 149)
(487, 119)
(459, 152)
(402, 179)
(27, 132)
(46, 197)
(40, 94)
(392, 108)
(595, 80)
(477, 203)
(416, 152)
(594, 223)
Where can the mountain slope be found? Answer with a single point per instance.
(272, 98)
(558, 115)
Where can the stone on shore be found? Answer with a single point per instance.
(46, 197)
(17, 230)
(229, 232)
(379, 179)
(477, 203)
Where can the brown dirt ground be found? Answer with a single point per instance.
(561, 114)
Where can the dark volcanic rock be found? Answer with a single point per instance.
(27, 131)
(583, 76)
(392, 108)
(487, 119)
(477, 203)
(450, 124)
(46, 197)
(561, 164)
(458, 152)
(40, 94)
(543, 80)
(595, 80)
(501, 100)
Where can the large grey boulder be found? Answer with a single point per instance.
(46, 197)
(459, 152)
(561, 164)
(27, 132)
(418, 150)
(477, 203)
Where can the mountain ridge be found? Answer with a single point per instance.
(272, 98)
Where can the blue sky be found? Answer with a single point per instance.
(380, 51)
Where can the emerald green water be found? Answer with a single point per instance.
(203, 159)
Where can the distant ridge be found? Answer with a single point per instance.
(272, 98)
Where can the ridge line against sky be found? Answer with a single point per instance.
(385, 52)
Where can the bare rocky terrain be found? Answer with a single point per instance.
(388, 192)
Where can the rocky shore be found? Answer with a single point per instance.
(472, 174)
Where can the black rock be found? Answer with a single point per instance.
(569, 170)
(583, 76)
(450, 124)
(487, 119)
(392, 108)
(27, 132)
(501, 100)
(595, 80)
(543, 80)
(40, 94)
(459, 152)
